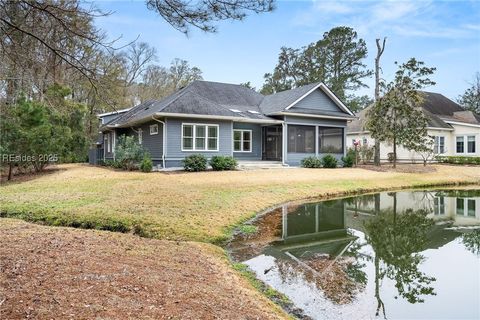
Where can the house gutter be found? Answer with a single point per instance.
(213, 117)
(164, 144)
(306, 115)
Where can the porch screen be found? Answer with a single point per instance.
(301, 139)
(330, 140)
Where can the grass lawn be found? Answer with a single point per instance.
(190, 206)
(50, 272)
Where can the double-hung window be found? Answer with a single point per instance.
(242, 140)
(471, 144)
(460, 144)
(199, 137)
(439, 145)
(466, 144)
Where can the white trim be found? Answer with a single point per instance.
(112, 112)
(194, 149)
(465, 143)
(241, 141)
(140, 135)
(154, 126)
(329, 93)
(114, 143)
(462, 123)
(306, 115)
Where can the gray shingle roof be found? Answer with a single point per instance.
(437, 109)
(219, 99)
(279, 101)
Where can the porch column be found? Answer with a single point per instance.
(284, 143)
(316, 141)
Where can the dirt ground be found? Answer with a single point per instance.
(64, 273)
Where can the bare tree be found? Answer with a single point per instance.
(380, 49)
(181, 73)
(182, 14)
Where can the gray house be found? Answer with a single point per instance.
(213, 118)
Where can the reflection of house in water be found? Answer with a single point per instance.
(460, 207)
(314, 227)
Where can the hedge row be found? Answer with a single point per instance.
(459, 159)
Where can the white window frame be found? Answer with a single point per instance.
(106, 140)
(153, 129)
(436, 144)
(140, 136)
(465, 143)
(474, 143)
(207, 137)
(241, 140)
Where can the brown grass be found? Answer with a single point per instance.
(65, 273)
(193, 206)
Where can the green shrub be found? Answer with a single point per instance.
(147, 164)
(329, 161)
(349, 159)
(128, 152)
(220, 163)
(311, 162)
(366, 153)
(458, 160)
(390, 156)
(195, 162)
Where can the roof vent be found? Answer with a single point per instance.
(253, 111)
(235, 110)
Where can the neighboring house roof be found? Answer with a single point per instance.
(226, 100)
(438, 109)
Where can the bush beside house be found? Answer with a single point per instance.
(458, 160)
(221, 163)
(195, 162)
(311, 162)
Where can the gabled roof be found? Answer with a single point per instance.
(225, 100)
(438, 109)
(447, 109)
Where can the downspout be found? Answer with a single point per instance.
(164, 144)
(284, 144)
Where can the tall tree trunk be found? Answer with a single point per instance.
(394, 152)
(380, 50)
(10, 170)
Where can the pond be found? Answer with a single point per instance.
(393, 255)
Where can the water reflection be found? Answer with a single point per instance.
(368, 255)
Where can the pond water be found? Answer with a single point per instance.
(392, 255)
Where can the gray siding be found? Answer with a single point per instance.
(294, 159)
(256, 153)
(152, 143)
(316, 121)
(317, 100)
(174, 138)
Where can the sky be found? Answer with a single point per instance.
(443, 34)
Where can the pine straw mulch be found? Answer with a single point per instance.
(61, 273)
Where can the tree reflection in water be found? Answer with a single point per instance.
(396, 240)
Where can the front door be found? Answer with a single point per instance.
(272, 143)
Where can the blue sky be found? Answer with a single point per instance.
(444, 34)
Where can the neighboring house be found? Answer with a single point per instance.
(213, 118)
(456, 132)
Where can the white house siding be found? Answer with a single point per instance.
(425, 201)
(404, 155)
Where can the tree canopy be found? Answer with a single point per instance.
(337, 60)
(470, 99)
(397, 117)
